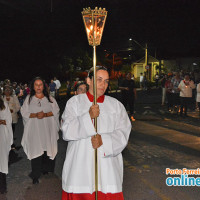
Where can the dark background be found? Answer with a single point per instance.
(34, 37)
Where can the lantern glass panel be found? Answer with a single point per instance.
(94, 28)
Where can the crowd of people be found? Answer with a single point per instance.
(19, 99)
(180, 91)
(37, 104)
(40, 113)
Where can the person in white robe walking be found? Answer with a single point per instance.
(113, 128)
(40, 114)
(13, 104)
(6, 139)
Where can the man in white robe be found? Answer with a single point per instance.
(113, 128)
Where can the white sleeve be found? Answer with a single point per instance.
(198, 88)
(8, 116)
(25, 110)
(59, 84)
(17, 105)
(115, 142)
(76, 127)
(55, 111)
(180, 85)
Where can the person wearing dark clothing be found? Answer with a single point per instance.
(168, 87)
(68, 86)
(119, 84)
(52, 88)
(157, 79)
(128, 93)
(163, 80)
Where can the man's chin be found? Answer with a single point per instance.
(100, 94)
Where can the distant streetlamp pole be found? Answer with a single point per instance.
(146, 53)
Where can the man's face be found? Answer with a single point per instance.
(7, 92)
(81, 89)
(128, 76)
(177, 75)
(102, 82)
(187, 78)
(38, 86)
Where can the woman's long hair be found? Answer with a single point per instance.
(32, 91)
(2, 106)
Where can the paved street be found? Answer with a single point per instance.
(158, 140)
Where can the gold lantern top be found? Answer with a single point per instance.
(94, 21)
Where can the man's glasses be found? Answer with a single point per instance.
(81, 90)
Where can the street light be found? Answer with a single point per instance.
(94, 21)
(146, 52)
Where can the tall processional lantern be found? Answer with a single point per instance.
(94, 21)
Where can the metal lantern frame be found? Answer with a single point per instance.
(94, 21)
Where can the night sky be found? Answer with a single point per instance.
(33, 39)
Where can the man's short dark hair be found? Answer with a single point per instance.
(79, 84)
(91, 71)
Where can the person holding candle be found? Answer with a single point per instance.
(185, 87)
(40, 114)
(113, 129)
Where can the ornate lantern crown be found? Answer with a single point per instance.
(94, 21)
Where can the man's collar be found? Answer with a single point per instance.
(91, 98)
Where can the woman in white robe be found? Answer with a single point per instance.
(113, 127)
(40, 114)
(13, 104)
(6, 139)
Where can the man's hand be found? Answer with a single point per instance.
(94, 111)
(96, 141)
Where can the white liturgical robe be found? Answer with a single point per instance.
(6, 138)
(14, 105)
(114, 127)
(40, 134)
